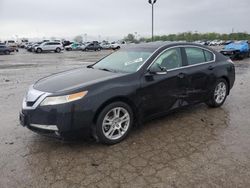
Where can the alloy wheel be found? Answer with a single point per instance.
(116, 123)
(220, 92)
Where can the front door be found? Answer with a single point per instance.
(163, 86)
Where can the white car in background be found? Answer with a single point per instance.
(49, 46)
(105, 45)
(115, 46)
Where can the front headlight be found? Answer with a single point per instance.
(63, 99)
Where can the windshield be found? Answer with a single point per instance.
(127, 61)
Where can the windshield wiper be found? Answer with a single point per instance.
(105, 69)
(90, 67)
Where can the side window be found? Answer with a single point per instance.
(195, 55)
(209, 56)
(170, 59)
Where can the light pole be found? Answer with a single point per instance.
(152, 2)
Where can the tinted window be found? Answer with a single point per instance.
(195, 55)
(209, 56)
(170, 59)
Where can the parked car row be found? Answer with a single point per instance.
(95, 46)
(58, 46)
(213, 42)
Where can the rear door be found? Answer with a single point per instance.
(200, 64)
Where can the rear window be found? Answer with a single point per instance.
(195, 55)
(209, 56)
(198, 55)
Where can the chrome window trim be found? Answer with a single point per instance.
(187, 66)
(149, 57)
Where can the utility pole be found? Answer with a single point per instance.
(152, 2)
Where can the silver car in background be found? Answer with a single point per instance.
(49, 47)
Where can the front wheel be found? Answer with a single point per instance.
(114, 123)
(219, 94)
(39, 50)
(7, 52)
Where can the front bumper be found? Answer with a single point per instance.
(55, 120)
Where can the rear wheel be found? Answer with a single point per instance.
(7, 52)
(58, 50)
(114, 123)
(219, 94)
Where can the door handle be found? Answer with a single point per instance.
(181, 75)
(210, 67)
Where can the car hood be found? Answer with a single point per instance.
(73, 79)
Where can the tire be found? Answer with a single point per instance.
(58, 50)
(7, 52)
(39, 50)
(219, 94)
(116, 128)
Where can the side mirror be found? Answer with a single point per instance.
(158, 70)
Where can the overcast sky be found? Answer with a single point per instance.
(117, 18)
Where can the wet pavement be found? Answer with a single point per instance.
(194, 147)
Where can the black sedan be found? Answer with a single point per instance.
(126, 88)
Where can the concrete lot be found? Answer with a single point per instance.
(194, 147)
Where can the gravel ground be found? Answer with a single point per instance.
(194, 147)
